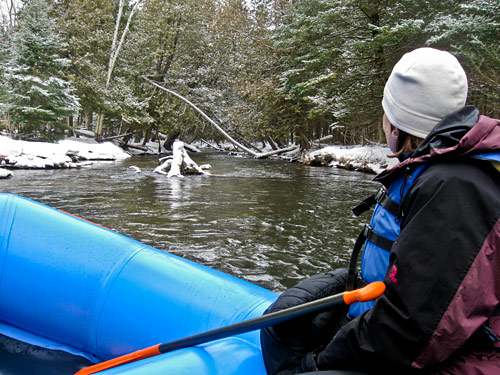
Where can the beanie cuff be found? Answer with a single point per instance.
(418, 121)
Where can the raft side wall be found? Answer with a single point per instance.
(79, 284)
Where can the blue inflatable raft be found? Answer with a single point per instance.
(71, 285)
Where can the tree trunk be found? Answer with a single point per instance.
(88, 120)
(147, 137)
(98, 128)
(170, 140)
(115, 49)
(222, 131)
(271, 143)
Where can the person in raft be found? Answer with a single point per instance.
(434, 239)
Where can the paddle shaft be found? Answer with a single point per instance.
(260, 322)
(367, 293)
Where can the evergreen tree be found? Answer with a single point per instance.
(87, 28)
(194, 48)
(472, 34)
(39, 96)
(264, 114)
(337, 55)
(151, 50)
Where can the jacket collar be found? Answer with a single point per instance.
(464, 132)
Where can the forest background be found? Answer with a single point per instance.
(270, 71)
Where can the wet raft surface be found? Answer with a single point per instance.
(19, 358)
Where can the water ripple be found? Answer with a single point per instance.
(270, 222)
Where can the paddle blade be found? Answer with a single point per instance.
(367, 293)
(123, 360)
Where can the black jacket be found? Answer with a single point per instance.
(444, 267)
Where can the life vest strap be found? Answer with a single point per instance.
(367, 234)
(378, 240)
(381, 197)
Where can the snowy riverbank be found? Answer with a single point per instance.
(69, 153)
(370, 159)
(79, 152)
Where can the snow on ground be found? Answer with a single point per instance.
(94, 151)
(69, 153)
(4, 173)
(77, 152)
(370, 159)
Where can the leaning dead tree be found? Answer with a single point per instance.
(222, 131)
(179, 163)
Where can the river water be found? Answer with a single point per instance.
(271, 222)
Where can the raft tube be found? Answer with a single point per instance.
(68, 284)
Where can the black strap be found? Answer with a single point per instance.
(367, 234)
(364, 205)
(379, 240)
(385, 201)
(381, 197)
(353, 263)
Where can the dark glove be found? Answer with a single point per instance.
(306, 333)
(288, 344)
(306, 364)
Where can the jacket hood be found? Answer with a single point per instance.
(449, 131)
(464, 132)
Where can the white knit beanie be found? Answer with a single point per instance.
(425, 85)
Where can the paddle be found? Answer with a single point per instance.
(367, 293)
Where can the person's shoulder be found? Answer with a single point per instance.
(454, 191)
(461, 169)
(464, 175)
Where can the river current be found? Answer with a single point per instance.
(270, 222)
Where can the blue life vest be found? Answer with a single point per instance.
(382, 231)
(384, 228)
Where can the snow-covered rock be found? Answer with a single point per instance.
(370, 159)
(93, 151)
(4, 173)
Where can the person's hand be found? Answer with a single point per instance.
(287, 347)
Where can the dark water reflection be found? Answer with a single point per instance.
(270, 222)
